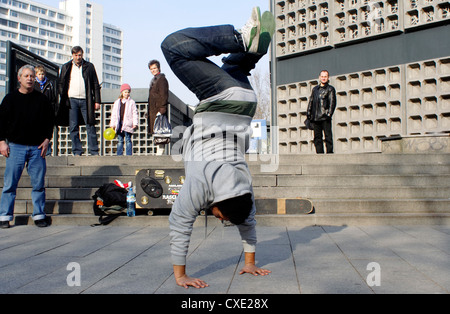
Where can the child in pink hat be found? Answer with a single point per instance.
(124, 120)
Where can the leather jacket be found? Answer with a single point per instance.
(322, 103)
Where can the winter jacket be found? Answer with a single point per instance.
(49, 91)
(322, 103)
(130, 117)
(93, 88)
(158, 99)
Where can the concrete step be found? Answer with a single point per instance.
(356, 169)
(392, 192)
(360, 192)
(321, 206)
(259, 160)
(305, 169)
(369, 169)
(368, 158)
(374, 180)
(371, 188)
(57, 207)
(73, 181)
(268, 180)
(262, 220)
(379, 206)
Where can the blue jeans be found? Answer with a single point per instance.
(129, 144)
(80, 106)
(187, 50)
(21, 155)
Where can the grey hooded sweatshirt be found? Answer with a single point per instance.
(213, 149)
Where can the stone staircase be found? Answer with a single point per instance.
(371, 188)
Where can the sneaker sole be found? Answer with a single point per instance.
(267, 31)
(255, 32)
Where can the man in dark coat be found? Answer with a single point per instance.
(79, 90)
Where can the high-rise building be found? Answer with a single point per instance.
(52, 32)
(389, 61)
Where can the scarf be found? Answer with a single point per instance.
(42, 84)
(154, 79)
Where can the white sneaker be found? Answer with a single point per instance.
(251, 30)
(267, 30)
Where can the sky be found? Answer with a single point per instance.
(145, 24)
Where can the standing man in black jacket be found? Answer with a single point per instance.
(321, 106)
(80, 91)
(26, 128)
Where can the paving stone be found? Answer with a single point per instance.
(303, 260)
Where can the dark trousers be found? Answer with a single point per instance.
(321, 128)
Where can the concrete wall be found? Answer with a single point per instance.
(388, 60)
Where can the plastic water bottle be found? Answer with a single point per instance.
(131, 202)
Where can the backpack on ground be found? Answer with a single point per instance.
(110, 202)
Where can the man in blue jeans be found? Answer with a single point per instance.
(218, 179)
(26, 128)
(80, 91)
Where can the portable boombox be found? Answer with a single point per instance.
(157, 189)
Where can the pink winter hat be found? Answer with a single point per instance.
(125, 87)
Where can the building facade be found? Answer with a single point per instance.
(52, 32)
(389, 61)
